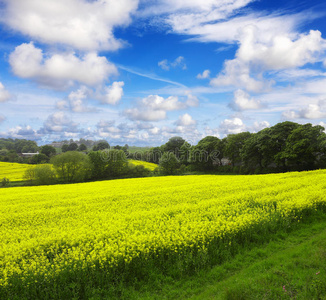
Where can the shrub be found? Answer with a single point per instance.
(5, 182)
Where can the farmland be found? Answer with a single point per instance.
(90, 233)
(13, 171)
(146, 165)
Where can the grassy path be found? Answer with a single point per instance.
(291, 266)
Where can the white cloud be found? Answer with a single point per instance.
(257, 54)
(60, 70)
(242, 101)
(260, 125)
(311, 111)
(77, 100)
(231, 126)
(155, 131)
(81, 24)
(58, 122)
(4, 94)
(192, 100)
(154, 107)
(22, 132)
(113, 93)
(186, 120)
(145, 115)
(2, 118)
(178, 62)
(204, 75)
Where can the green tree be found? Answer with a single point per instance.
(233, 146)
(82, 147)
(39, 159)
(174, 145)
(101, 146)
(108, 164)
(72, 147)
(304, 146)
(64, 148)
(207, 154)
(169, 164)
(44, 175)
(71, 166)
(49, 151)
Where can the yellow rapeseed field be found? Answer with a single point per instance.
(111, 227)
(13, 171)
(147, 165)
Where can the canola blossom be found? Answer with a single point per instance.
(13, 171)
(147, 165)
(81, 230)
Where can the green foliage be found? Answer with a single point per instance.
(101, 146)
(5, 182)
(49, 151)
(169, 164)
(82, 147)
(174, 145)
(39, 159)
(64, 148)
(233, 146)
(72, 147)
(107, 164)
(71, 166)
(207, 154)
(29, 174)
(44, 175)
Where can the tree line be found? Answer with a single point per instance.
(286, 146)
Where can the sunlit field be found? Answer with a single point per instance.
(13, 171)
(100, 233)
(146, 165)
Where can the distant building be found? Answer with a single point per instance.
(29, 154)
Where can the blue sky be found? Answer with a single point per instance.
(142, 71)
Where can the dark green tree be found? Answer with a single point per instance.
(49, 151)
(207, 154)
(82, 147)
(72, 146)
(64, 148)
(174, 145)
(101, 146)
(233, 146)
(71, 166)
(304, 147)
(169, 164)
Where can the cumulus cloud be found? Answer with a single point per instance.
(77, 101)
(4, 94)
(260, 125)
(154, 107)
(81, 24)
(178, 62)
(311, 111)
(242, 101)
(22, 132)
(60, 70)
(145, 115)
(113, 93)
(206, 74)
(186, 120)
(257, 54)
(266, 42)
(58, 122)
(230, 126)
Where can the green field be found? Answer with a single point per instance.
(66, 241)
